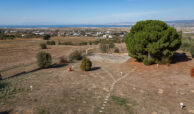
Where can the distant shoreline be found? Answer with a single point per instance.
(64, 26)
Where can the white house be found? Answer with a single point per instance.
(104, 36)
(99, 33)
(110, 36)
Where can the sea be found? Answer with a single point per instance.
(64, 26)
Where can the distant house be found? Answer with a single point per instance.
(108, 32)
(13, 31)
(122, 35)
(76, 34)
(104, 36)
(110, 36)
(38, 33)
(98, 33)
(23, 35)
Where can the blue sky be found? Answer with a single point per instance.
(41, 12)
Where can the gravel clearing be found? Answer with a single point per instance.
(109, 58)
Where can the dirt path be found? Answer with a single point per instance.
(109, 58)
(115, 81)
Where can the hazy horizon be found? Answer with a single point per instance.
(73, 12)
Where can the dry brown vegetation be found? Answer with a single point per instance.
(144, 90)
(21, 51)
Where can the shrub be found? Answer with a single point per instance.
(185, 46)
(46, 37)
(90, 43)
(86, 65)
(50, 42)
(104, 48)
(95, 42)
(44, 59)
(75, 55)
(187, 43)
(111, 45)
(152, 38)
(83, 43)
(149, 61)
(63, 60)
(67, 43)
(117, 50)
(43, 46)
(192, 51)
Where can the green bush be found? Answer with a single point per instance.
(83, 43)
(66, 43)
(106, 45)
(46, 37)
(117, 50)
(185, 46)
(95, 42)
(104, 48)
(90, 43)
(111, 45)
(192, 51)
(165, 60)
(86, 65)
(50, 42)
(6, 37)
(149, 61)
(63, 60)
(44, 59)
(43, 46)
(75, 55)
(152, 38)
(187, 43)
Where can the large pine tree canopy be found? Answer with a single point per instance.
(153, 41)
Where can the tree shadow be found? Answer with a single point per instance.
(180, 57)
(22, 73)
(58, 65)
(95, 68)
(6, 112)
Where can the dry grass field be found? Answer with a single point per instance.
(138, 90)
(20, 51)
(111, 87)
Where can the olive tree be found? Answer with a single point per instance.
(153, 41)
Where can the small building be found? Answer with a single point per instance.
(104, 36)
(76, 34)
(110, 36)
(99, 33)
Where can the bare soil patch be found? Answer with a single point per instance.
(109, 58)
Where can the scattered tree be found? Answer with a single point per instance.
(46, 37)
(86, 64)
(44, 59)
(43, 46)
(117, 50)
(153, 41)
(50, 42)
(75, 55)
